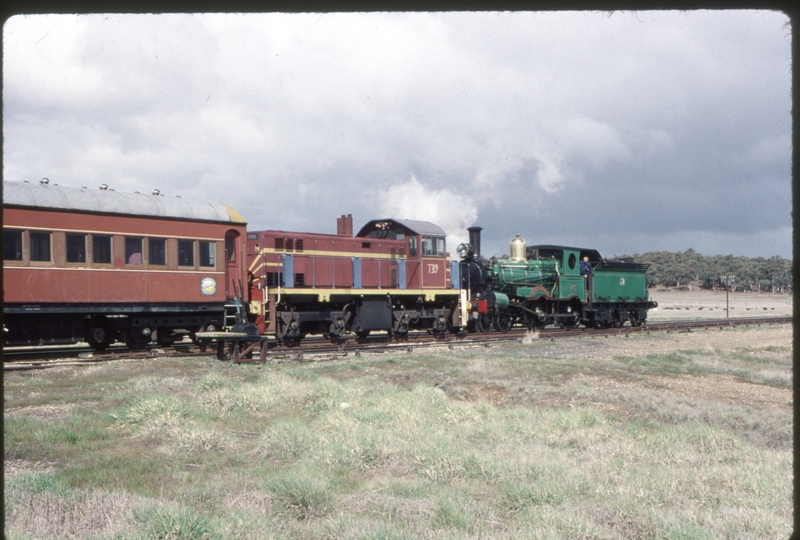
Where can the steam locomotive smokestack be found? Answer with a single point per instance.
(475, 238)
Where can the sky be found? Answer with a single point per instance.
(627, 132)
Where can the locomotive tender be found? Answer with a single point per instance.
(541, 285)
(99, 266)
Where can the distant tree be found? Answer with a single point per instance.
(675, 269)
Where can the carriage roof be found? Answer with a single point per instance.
(51, 196)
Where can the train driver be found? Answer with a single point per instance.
(586, 267)
(586, 272)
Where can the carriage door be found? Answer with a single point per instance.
(233, 265)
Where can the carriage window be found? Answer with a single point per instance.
(230, 248)
(207, 252)
(157, 251)
(185, 252)
(101, 249)
(76, 248)
(12, 245)
(40, 246)
(133, 250)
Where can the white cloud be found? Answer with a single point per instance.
(453, 211)
(548, 174)
(593, 141)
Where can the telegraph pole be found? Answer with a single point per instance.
(728, 281)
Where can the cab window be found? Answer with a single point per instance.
(432, 245)
(412, 246)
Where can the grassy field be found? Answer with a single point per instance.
(664, 436)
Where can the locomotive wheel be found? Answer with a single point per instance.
(616, 321)
(334, 333)
(504, 320)
(400, 332)
(485, 322)
(530, 319)
(568, 323)
(532, 322)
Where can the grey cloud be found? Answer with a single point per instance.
(650, 127)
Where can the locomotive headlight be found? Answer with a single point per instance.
(464, 250)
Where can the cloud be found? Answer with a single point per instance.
(453, 211)
(574, 126)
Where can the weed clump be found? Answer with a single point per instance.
(303, 493)
(181, 524)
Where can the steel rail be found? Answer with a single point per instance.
(314, 349)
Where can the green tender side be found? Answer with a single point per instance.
(618, 285)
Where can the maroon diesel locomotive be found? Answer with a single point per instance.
(394, 275)
(96, 265)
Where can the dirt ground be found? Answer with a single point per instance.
(767, 341)
(702, 304)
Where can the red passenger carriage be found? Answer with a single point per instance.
(97, 265)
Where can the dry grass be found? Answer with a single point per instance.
(654, 437)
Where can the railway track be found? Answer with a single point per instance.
(31, 358)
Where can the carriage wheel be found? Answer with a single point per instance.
(99, 338)
(135, 343)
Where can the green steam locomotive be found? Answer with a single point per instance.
(551, 285)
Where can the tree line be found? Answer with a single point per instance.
(676, 269)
